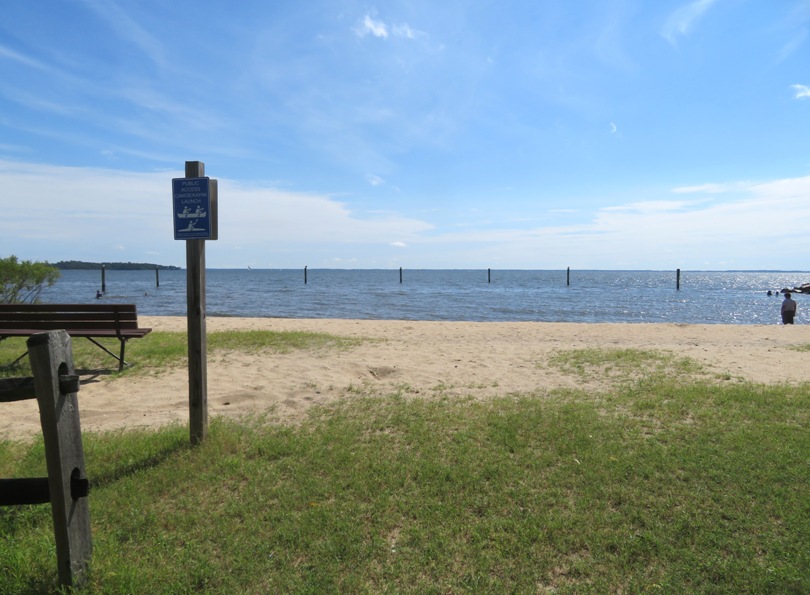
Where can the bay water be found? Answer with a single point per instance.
(711, 297)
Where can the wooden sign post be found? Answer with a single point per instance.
(195, 220)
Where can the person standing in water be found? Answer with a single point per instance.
(788, 309)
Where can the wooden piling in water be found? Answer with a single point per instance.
(678, 280)
(157, 277)
(400, 275)
(568, 277)
(305, 275)
(103, 279)
(489, 275)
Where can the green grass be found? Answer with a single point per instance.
(159, 350)
(663, 484)
(624, 365)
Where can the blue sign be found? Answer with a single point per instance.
(193, 212)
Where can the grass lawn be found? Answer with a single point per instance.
(660, 484)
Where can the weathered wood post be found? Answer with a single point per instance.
(56, 385)
(400, 275)
(103, 280)
(305, 275)
(678, 280)
(568, 277)
(157, 276)
(197, 337)
(195, 201)
(489, 275)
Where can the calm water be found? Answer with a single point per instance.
(593, 296)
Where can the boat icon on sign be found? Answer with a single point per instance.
(187, 214)
(190, 227)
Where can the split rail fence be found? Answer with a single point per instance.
(54, 384)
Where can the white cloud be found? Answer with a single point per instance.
(56, 213)
(370, 26)
(613, 128)
(749, 219)
(651, 206)
(683, 19)
(405, 31)
(711, 188)
(374, 180)
(377, 28)
(762, 225)
(802, 91)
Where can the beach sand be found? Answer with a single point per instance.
(477, 360)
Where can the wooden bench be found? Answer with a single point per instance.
(93, 321)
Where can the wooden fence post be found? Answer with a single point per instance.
(56, 384)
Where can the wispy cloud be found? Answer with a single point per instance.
(371, 26)
(22, 59)
(35, 102)
(405, 31)
(378, 28)
(651, 206)
(128, 29)
(792, 46)
(683, 19)
(796, 26)
(374, 180)
(802, 91)
(711, 188)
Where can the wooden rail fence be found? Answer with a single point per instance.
(54, 384)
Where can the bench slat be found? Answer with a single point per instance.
(93, 321)
(26, 331)
(50, 318)
(101, 307)
(34, 318)
(80, 319)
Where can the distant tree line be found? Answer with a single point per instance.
(66, 265)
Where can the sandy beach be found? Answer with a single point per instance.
(419, 359)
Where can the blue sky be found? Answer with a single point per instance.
(599, 134)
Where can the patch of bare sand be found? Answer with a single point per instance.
(471, 359)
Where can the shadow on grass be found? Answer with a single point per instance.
(132, 467)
